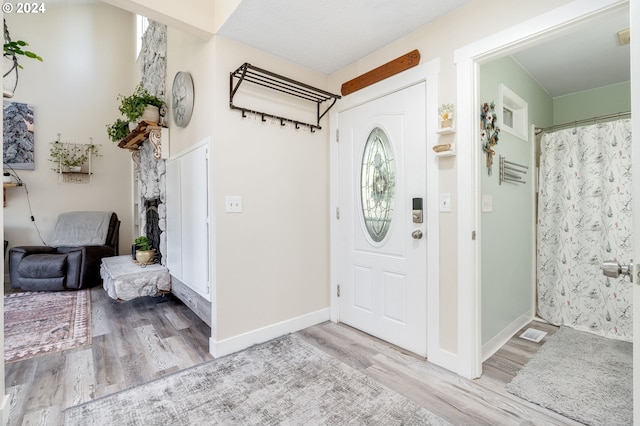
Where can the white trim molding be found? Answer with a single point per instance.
(468, 60)
(499, 340)
(5, 408)
(264, 334)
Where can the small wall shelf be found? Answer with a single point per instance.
(448, 153)
(157, 135)
(249, 73)
(446, 130)
(4, 191)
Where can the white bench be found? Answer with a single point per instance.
(124, 279)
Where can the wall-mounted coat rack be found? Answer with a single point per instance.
(511, 172)
(249, 73)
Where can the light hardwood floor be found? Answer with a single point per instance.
(133, 342)
(140, 340)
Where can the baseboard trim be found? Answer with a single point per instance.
(5, 409)
(492, 346)
(245, 340)
(444, 359)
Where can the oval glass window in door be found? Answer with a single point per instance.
(377, 184)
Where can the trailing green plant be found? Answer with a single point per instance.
(133, 106)
(143, 243)
(118, 130)
(15, 48)
(66, 155)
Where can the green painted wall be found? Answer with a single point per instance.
(507, 233)
(592, 103)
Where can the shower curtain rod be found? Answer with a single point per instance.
(539, 130)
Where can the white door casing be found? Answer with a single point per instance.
(467, 61)
(383, 276)
(634, 14)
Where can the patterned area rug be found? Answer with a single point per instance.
(284, 381)
(582, 376)
(38, 323)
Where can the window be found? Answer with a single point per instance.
(513, 113)
(141, 26)
(377, 184)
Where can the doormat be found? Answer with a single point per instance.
(39, 323)
(582, 376)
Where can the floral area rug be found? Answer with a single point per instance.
(38, 323)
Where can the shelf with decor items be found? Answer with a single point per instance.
(73, 161)
(447, 128)
(445, 150)
(157, 135)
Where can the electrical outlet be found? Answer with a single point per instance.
(233, 204)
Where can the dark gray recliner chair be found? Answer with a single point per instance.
(79, 242)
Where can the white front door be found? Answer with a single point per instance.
(382, 250)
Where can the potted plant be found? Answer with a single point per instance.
(70, 157)
(118, 130)
(141, 105)
(144, 252)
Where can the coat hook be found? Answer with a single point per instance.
(297, 125)
(263, 119)
(244, 113)
(282, 121)
(58, 141)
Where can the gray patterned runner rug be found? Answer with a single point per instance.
(582, 376)
(284, 381)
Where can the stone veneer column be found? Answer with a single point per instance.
(152, 171)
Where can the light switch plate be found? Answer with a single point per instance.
(487, 203)
(445, 203)
(233, 204)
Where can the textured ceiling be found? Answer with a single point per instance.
(328, 35)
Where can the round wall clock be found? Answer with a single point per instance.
(182, 98)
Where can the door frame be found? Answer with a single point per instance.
(428, 73)
(468, 60)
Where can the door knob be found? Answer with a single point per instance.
(416, 235)
(611, 268)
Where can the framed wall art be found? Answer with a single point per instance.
(18, 136)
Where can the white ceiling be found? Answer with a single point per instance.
(583, 57)
(328, 35)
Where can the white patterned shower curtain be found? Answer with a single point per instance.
(584, 218)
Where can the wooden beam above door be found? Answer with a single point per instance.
(403, 63)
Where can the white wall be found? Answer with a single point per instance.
(88, 52)
(270, 262)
